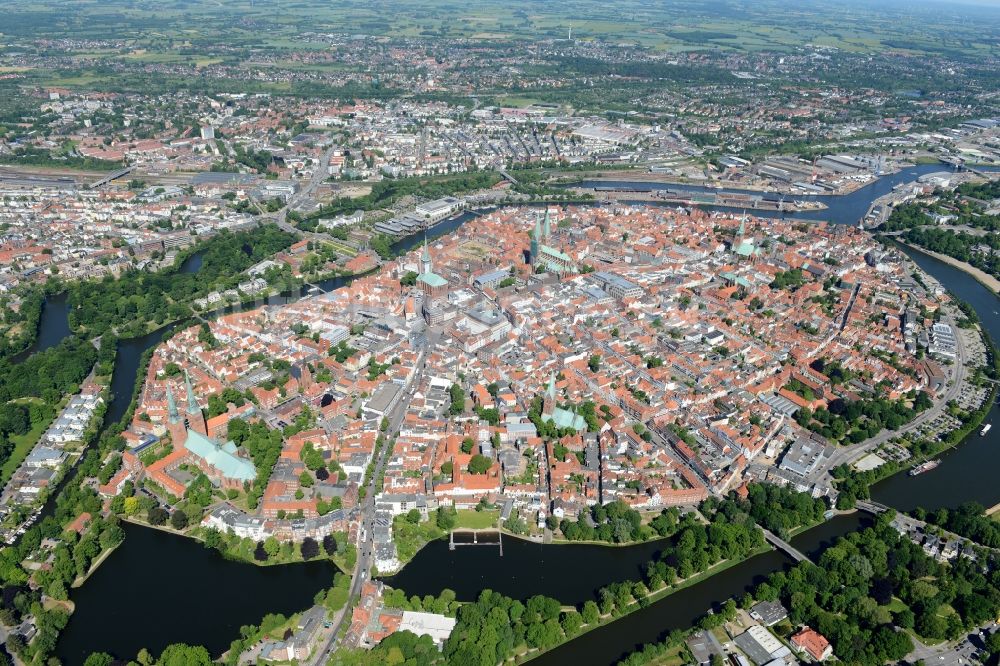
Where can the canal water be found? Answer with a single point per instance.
(525, 569)
(53, 326)
(158, 588)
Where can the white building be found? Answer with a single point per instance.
(438, 627)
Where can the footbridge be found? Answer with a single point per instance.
(784, 546)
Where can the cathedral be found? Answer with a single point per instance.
(223, 464)
(545, 256)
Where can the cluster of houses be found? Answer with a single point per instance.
(939, 544)
(47, 460)
(372, 621)
(757, 645)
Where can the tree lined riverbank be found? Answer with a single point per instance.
(981, 276)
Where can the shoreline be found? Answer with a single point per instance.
(94, 566)
(226, 554)
(653, 598)
(981, 276)
(668, 179)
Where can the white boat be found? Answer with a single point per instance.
(986, 429)
(926, 467)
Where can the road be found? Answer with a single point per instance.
(850, 454)
(319, 176)
(955, 653)
(305, 195)
(366, 546)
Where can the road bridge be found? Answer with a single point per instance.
(112, 176)
(871, 506)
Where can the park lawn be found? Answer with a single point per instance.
(477, 520)
(896, 605)
(22, 447)
(675, 656)
(516, 100)
(342, 248)
(943, 611)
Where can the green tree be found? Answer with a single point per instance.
(180, 654)
(445, 518)
(594, 363)
(479, 464)
(98, 659)
(457, 396)
(590, 613)
(178, 520)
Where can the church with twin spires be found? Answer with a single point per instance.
(546, 257)
(221, 463)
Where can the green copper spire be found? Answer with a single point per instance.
(192, 402)
(172, 407)
(551, 390)
(425, 258)
(536, 240)
(548, 224)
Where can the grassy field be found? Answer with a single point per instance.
(477, 520)
(676, 656)
(896, 605)
(22, 447)
(155, 32)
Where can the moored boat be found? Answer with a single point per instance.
(925, 467)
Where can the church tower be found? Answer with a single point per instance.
(305, 378)
(548, 225)
(549, 402)
(195, 419)
(175, 425)
(743, 246)
(536, 242)
(425, 260)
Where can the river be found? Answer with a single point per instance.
(842, 209)
(612, 642)
(526, 568)
(967, 473)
